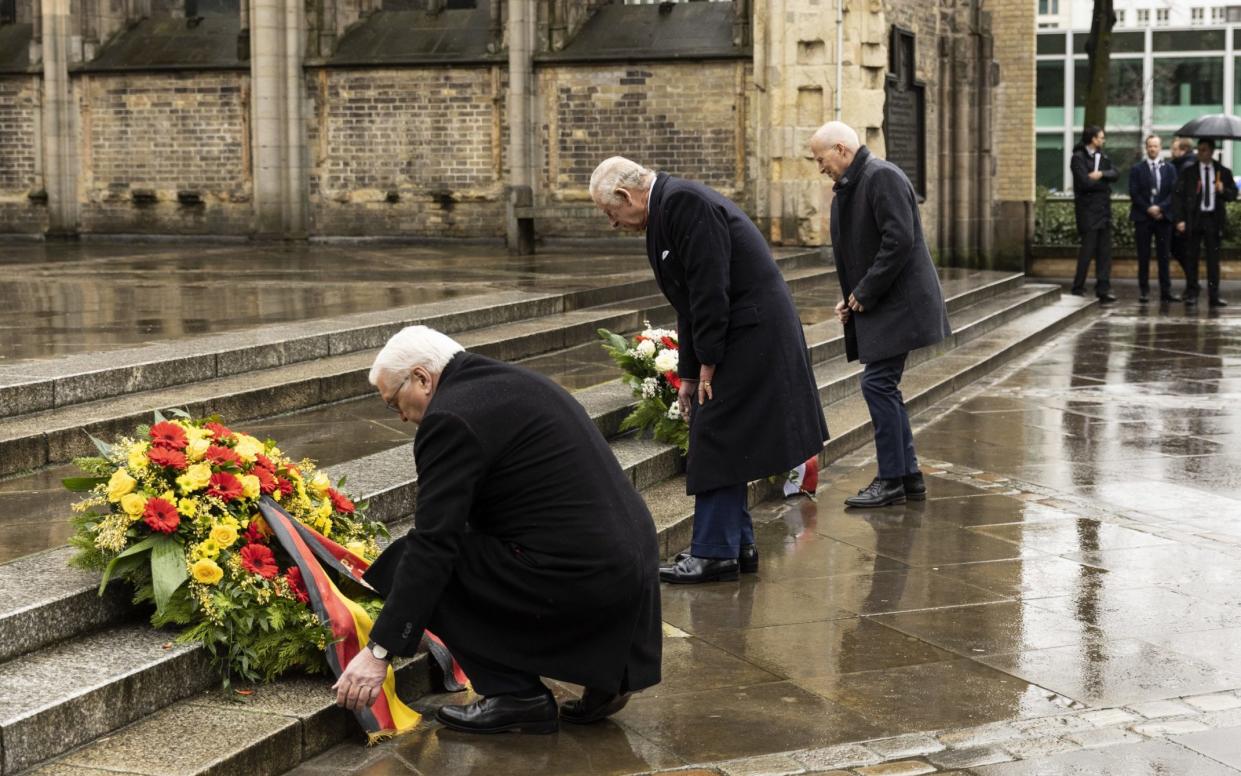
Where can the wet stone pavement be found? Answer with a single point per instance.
(1066, 602)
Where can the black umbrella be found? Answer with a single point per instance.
(1216, 125)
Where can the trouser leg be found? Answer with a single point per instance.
(1142, 236)
(1163, 238)
(893, 437)
(1103, 262)
(1212, 240)
(1193, 246)
(721, 523)
(1084, 253)
(487, 675)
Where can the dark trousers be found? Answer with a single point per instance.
(894, 440)
(1205, 233)
(721, 523)
(1096, 244)
(1161, 230)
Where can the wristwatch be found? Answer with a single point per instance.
(379, 652)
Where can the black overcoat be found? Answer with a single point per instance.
(1187, 205)
(1145, 190)
(734, 311)
(882, 260)
(531, 546)
(1092, 200)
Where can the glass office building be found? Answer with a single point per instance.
(1159, 79)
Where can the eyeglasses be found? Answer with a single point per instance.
(397, 393)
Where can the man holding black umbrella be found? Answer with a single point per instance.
(1202, 191)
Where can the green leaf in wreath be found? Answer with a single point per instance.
(167, 569)
(178, 413)
(133, 549)
(159, 417)
(82, 484)
(103, 447)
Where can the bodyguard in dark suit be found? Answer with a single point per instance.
(531, 554)
(892, 301)
(1183, 153)
(1203, 190)
(746, 379)
(1093, 175)
(1151, 184)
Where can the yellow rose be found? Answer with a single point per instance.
(357, 548)
(195, 478)
(223, 535)
(206, 571)
(138, 456)
(319, 484)
(250, 486)
(197, 448)
(205, 549)
(248, 447)
(120, 484)
(133, 504)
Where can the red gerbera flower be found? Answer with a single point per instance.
(673, 379)
(224, 486)
(267, 480)
(165, 434)
(263, 461)
(161, 516)
(669, 343)
(167, 456)
(259, 559)
(219, 431)
(340, 502)
(296, 584)
(222, 455)
(256, 531)
(286, 486)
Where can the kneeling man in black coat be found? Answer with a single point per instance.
(892, 299)
(531, 555)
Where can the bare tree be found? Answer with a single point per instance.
(1099, 54)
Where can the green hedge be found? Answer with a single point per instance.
(1055, 226)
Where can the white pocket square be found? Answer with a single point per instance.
(664, 255)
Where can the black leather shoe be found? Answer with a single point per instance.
(691, 570)
(747, 559)
(1169, 298)
(880, 493)
(915, 487)
(531, 713)
(593, 706)
(1144, 296)
(1191, 301)
(1107, 298)
(1219, 303)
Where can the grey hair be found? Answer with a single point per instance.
(834, 132)
(415, 346)
(617, 172)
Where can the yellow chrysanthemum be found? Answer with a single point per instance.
(205, 549)
(230, 521)
(133, 504)
(223, 535)
(197, 448)
(196, 477)
(250, 486)
(319, 484)
(206, 572)
(188, 507)
(248, 447)
(138, 456)
(193, 432)
(119, 484)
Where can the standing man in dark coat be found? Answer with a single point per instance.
(1182, 155)
(1093, 175)
(892, 302)
(746, 380)
(531, 554)
(1203, 190)
(1151, 184)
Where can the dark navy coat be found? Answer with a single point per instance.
(734, 311)
(882, 260)
(1143, 192)
(530, 545)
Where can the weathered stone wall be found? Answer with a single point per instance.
(1013, 26)
(407, 152)
(687, 119)
(151, 142)
(20, 169)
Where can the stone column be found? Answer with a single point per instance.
(277, 121)
(59, 142)
(522, 17)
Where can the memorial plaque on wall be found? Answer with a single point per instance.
(904, 111)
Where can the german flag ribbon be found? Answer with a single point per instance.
(314, 554)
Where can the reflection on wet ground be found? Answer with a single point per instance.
(1079, 556)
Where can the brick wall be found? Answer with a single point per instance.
(19, 156)
(407, 152)
(1013, 25)
(162, 136)
(680, 118)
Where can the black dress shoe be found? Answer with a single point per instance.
(1107, 298)
(1169, 298)
(1219, 302)
(691, 570)
(747, 559)
(1077, 292)
(533, 712)
(1191, 301)
(593, 706)
(880, 493)
(1144, 295)
(915, 486)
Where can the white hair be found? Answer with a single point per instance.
(415, 346)
(834, 132)
(617, 172)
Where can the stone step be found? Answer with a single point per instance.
(38, 439)
(293, 712)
